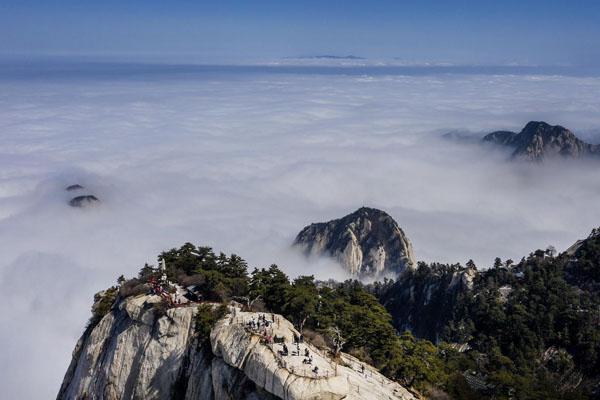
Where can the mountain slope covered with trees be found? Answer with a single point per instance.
(526, 330)
(530, 329)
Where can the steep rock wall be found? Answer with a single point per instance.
(138, 352)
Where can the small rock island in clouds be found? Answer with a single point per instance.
(82, 198)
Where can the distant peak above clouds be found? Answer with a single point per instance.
(333, 57)
(327, 60)
(368, 243)
(539, 140)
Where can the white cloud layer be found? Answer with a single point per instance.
(242, 162)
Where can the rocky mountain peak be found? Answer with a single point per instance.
(137, 351)
(539, 130)
(367, 243)
(539, 140)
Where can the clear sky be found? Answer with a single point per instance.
(492, 32)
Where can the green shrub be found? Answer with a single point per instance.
(160, 308)
(103, 302)
(133, 287)
(206, 317)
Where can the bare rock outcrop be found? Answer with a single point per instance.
(367, 243)
(138, 351)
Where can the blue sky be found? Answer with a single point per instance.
(492, 32)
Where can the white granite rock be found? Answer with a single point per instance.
(134, 352)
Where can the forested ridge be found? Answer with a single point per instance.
(526, 330)
(530, 329)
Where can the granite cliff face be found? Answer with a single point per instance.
(538, 141)
(138, 352)
(367, 243)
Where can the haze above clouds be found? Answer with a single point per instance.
(540, 32)
(241, 161)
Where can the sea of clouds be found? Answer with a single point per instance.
(241, 161)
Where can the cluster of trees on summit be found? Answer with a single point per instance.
(526, 330)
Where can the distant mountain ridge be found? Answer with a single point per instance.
(334, 57)
(367, 242)
(539, 140)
